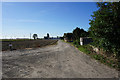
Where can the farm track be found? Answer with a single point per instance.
(57, 61)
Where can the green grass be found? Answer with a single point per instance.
(84, 50)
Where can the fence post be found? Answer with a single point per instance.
(81, 41)
(10, 45)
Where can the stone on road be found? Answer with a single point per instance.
(57, 61)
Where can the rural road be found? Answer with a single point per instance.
(56, 61)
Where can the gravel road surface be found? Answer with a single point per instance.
(56, 61)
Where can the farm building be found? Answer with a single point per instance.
(68, 37)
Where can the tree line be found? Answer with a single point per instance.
(76, 34)
(104, 28)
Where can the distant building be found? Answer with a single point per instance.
(48, 37)
(45, 37)
(68, 37)
(22, 38)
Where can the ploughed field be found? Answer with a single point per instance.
(26, 44)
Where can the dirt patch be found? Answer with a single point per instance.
(26, 44)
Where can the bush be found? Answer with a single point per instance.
(105, 28)
(76, 43)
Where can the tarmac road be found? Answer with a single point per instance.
(57, 61)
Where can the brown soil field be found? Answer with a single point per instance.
(26, 44)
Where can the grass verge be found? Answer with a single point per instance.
(87, 49)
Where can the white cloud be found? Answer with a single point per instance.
(8, 4)
(60, 0)
(47, 0)
(28, 20)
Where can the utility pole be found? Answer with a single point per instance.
(15, 37)
(11, 37)
(24, 37)
(5, 37)
(30, 36)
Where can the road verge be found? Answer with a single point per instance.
(89, 50)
